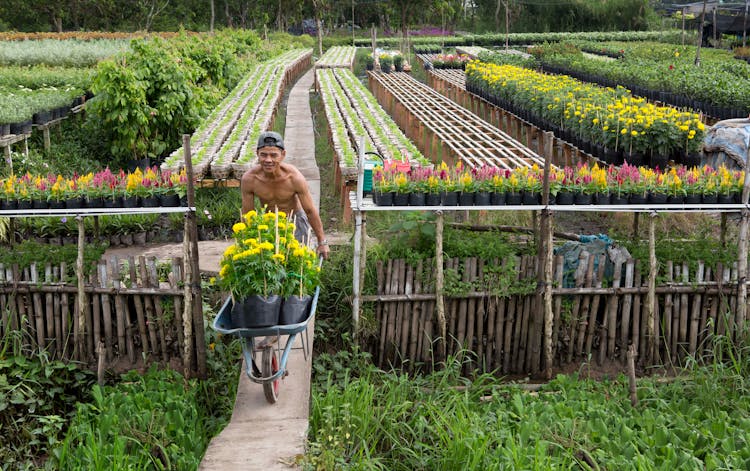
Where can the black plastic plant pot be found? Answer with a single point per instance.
(171, 201)
(295, 309)
(256, 311)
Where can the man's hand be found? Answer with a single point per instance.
(323, 250)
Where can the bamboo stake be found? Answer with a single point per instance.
(124, 340)
(695, 315)
(684, 312)
(106, 311)
(549, 316)
(651, 298)
(152, 279)
(97, 313)
(670, 319)
(384, 315)
(594, 311)
(612, 313)
(407, 312)
(585, 306)
(174, 277)
(462, 312)
(38, 312)
(574, 313)
(54, 323)
(704, 274)
(440, 302)
(416, 318)
(137, 303)
(559, 269)
(481, 318)
(81, 321)
(626, 305)
(638, 333)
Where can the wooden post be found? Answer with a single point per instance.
(358, 236)
(439, 301)
(741, 315)
(187, 315)
(631, 376)
(549, 318)
(47, 143)
(81, 340)
(636, 221)
(723, 230)
(651, 297)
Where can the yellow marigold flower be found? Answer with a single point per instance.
(634, 133)
(279, 257)
(251, 241)
(266, 246)
(250, 215)
(223, 271)
(298, 252)
(262, 227)
(230, 250)
(239, 227)
(282, 215)
(282, 240)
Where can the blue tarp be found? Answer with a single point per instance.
(726, 142)
(596, 245)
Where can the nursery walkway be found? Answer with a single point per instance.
(263, 436)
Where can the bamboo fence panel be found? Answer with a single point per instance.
(596, 319)
(136, 318)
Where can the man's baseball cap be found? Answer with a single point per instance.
(270, 138)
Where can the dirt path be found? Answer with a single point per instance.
(210, 252)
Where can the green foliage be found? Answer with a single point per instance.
(151, 95)
(37, 397)
(28, 252)
(363, 418)
(145, 422)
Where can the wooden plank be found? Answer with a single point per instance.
(519, 332)
(574, 312)
(96, 309)
(559, 265)
(638, 323)
(121, 313)
(151, 323)
(416, 318)
(407, 312)
(139, 311)
(625, 327)
(585, 305)
(684, 312)
(54, 323)
(38, 312)
(594, 310)
(175, 277)
(671, 321)
(381, 308)
(106, 313)
(153, 281)
(695, 314)
(705, 302)
(430, 311)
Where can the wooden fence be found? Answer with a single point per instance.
(597, 320)
(131, 319)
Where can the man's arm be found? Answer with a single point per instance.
(248, 194)
(308, 205)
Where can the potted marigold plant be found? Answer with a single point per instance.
(252, 270)
(302, 279)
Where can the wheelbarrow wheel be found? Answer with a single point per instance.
(270, 367)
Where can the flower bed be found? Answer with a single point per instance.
(627, 184)
(606, 117)
(104, 189)
(450, 61)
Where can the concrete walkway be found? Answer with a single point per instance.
(263, 436)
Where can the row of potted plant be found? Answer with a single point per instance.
(719, 87)
(337, 56)
(392, 143)
(104, 189)
(608, 117)
(498, 39)
(270, 275)
(264, 115)
(582, 184)
(342, 121)
(60, 53)
(450, 61)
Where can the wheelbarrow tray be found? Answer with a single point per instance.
(223, 322)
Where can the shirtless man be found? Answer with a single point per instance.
(282, 186)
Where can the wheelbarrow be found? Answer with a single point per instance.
(269, 355)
